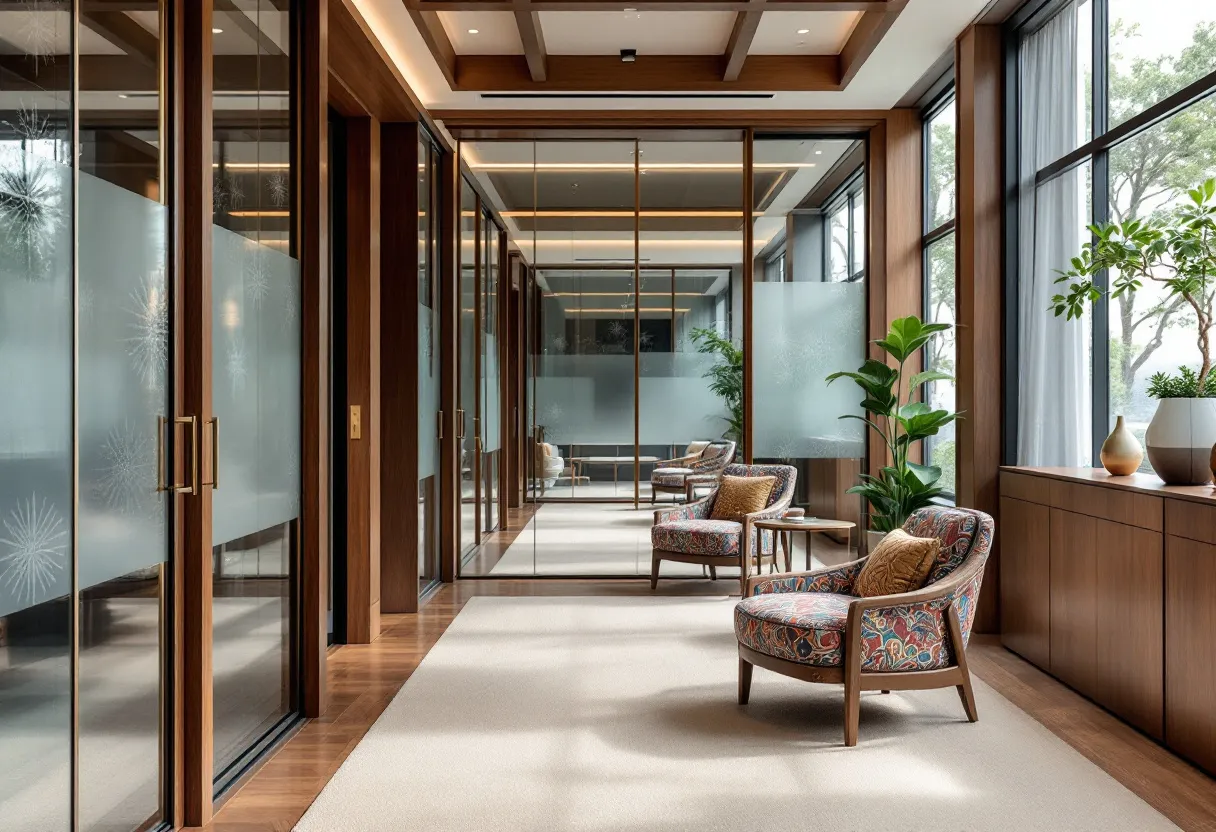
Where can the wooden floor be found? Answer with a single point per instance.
(364, 678)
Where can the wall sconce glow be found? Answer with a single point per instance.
(232, 314)
(217, 31)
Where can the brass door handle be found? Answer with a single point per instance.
(190, 487)
(161, 486)
(215, 453)
(460, 423)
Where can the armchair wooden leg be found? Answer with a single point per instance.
(654, 571)
(713, 573)
(965, 693)
(852, 709)
(745, 681)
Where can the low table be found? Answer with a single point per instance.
(579, 462)
(785, 529)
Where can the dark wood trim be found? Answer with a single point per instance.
(741, 36)
(479, 280)
(654, 5)
(502, 333)
(866, 36)
(637, 321)
(193, 246)
(359, 58)
(980, 69)
(449, 380)
(436, 39)
(527, 20)
(310, 241)
(749, 277)
(669, 73)
(399, 338)
(363, 357)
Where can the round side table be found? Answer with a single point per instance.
(786, 527)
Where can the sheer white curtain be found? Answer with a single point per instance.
(1054, 376)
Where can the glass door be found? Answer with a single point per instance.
(467, 360)
(428, 361)
(256, 377)
(489, 438)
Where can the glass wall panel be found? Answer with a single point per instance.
(256, 384)
(428, 362)
(810, 318)
(123, 360)
(467, 429)
(491, 420)
(36, 501)
(940, 291)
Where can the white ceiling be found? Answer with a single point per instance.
(650, 33)
(826, 33)
(923, 33)
(496, 34)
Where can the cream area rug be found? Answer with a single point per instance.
(620, 714)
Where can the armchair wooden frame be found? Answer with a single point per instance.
(687, 461)
(850, 673)
(742, 560)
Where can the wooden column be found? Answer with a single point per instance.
(363, 379)
(399, 370)
(978, 63)
(311, 243)
(894, 268)
(191, 143)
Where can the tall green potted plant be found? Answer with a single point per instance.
(725, 378)
(893, 413)
(1177, 252)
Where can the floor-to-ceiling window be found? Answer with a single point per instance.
(256, 377)
(940, 288)
(1114, 123)
(809, 314)
(84, 292)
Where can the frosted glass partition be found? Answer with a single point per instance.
(492, 400)
(428, 395)
(124, 367)
(585, 400)
(811, 330)
(677, 404)
(256, 385)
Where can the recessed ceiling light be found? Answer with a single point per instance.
(630, 9)
(803, 31)
(122, 95)
(474, 31)
(217, 31)
(818, 152)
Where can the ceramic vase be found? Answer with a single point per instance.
(1121, 452)
(1180, 439)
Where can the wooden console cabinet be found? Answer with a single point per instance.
(1109, 584)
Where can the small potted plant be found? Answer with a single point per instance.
(893, 413)
(1177, 252)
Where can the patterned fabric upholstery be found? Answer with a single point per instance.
(698, 537)
(807, 627)
(669, 476)
(897, 638)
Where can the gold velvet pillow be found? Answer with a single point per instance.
(738, 496)
(900, 563)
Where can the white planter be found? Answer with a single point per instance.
(1179, 440)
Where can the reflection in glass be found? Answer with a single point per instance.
(428, 362)
(490, 394)
(256, 335)
(940, 449)
(36, 425)
(812, 318)
(466, 430)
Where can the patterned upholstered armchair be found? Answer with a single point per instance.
(705, 464)
(810, 625)
(686, 534)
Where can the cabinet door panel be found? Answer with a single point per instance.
(1026, 579)
(1130, 632)
(1074, 599)
(1190, 632)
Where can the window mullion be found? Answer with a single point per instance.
(1100, 171)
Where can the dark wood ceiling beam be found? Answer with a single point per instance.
(528, 22)
(125, 73)
(436, 39)
(123, 32)
(741, 37)
(649, 73)
(866, 36)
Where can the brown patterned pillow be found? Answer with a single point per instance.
(738, 496)
(900, 563)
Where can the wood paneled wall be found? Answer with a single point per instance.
(893, 206)
(979, 67)
(399, 493)
(363, 357)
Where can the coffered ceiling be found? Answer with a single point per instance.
(462, 55)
